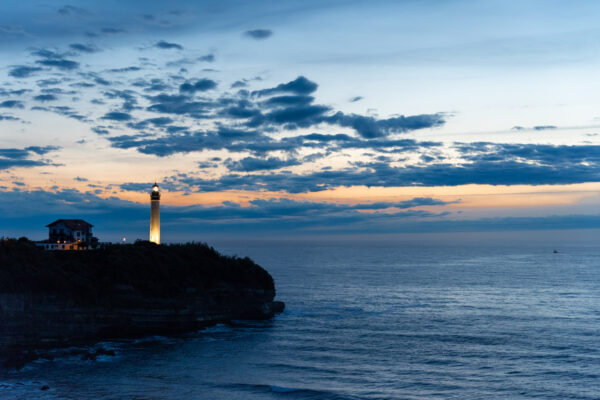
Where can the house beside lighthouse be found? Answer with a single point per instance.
(69, 234)
(155, 214)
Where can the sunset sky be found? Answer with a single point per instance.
(292, 118)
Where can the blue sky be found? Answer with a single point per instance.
(300, 117)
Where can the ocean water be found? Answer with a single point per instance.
(370, 321)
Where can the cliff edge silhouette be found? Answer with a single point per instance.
(63, 298)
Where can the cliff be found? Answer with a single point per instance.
(56, 298)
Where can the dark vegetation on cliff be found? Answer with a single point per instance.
(91, 277)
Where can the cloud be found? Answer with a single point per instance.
(55, 90)
(185, 142)
(207, 58)
(8, 163)
(14, 157)
(14, 154)
(535, 128)
(72, 10)
(298, 116)
(13, 30)
(242, 110)
(520, 165)
(536, 154)
(237, 140)
(370, 127)
(113, 217)
(111, 213)
(62, 110)
(136, 186)
(182, 62)
(258, 34)
(29, 211)
(100, 130)
(59, 63)
(160, 121)
(13, 92)
(41, 150)
(287, 106)
(200, 85)
(153, 85)
(83, 48)
(156, 122)
(355, 99)
(23, 71)
(300, 86)
(51, 58)
(45, 97)
(304, 212)
(238, 84)
(125, 69)
(112, 30)
(117, 116)
(301, 100)
(167, 46)
(11, 104)
(80, 179)
(65, 203)
(179, 104)
(256, 164)
(128, 96)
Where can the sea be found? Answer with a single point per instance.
(370, 320)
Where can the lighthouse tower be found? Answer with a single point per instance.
(155, 214)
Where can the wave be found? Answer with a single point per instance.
(290, 392)
(24, 389)
(218, 328)
(154, 339)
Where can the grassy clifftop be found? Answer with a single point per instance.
(164, 271)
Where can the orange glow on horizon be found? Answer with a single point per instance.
(465, 196)
(468, 196)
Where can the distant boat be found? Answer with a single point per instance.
(555, 251)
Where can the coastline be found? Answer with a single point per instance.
(197, 288)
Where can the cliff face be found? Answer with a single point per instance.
(51, 299)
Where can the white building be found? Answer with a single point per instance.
(69, 234)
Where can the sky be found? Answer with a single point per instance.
(300, 118)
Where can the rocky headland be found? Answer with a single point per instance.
(52, 299)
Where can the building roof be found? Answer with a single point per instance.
(73, 224)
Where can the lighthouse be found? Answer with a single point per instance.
(155, 214)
